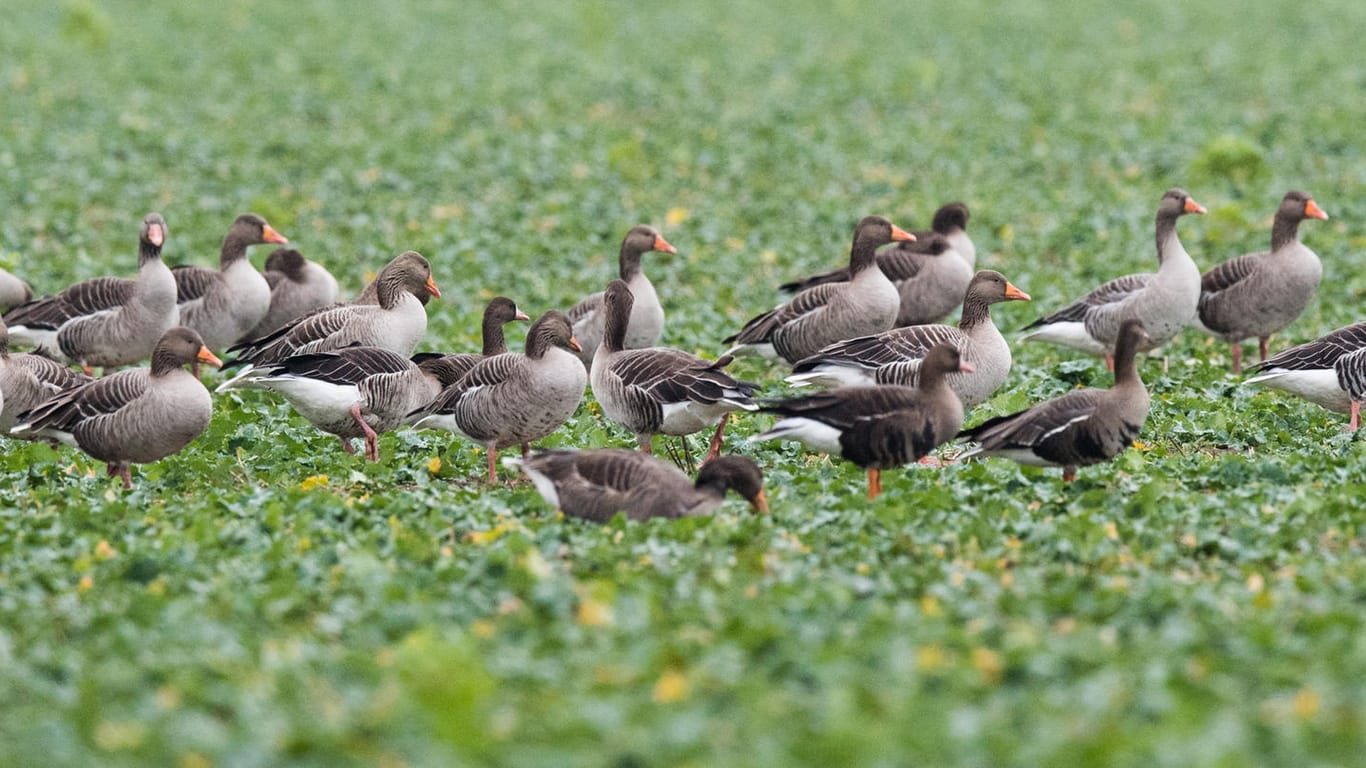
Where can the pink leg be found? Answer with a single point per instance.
(714, 449)
(1110, 363)
(1069, 474)
(493, 465)
(930, 461)
(346, 446)
(874, 483)
(526, 451)
(127, 475)
(1238, 357)
(1264, 346)
(371, 439)
(643, 440)
(1356, 417)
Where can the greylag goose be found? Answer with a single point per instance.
(499, 312)
(658, 390)
(1326, 371)
(356, 392)
(1164, 302)
(1258, 294)
(515, 399)
(894, 357)
(135, 416)
(824, 314)
(106, 321)
(223, 305)
(397, 323)
(647, 318)
(27, 380)
(596, 485)
(877, 427)
(13, 291)
(1080, 428)
(297, 287)
(926, 274)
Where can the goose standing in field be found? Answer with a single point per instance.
(223, 305)
(931, 272)
(824, 314)
(1327, 371)
(658, 390)
(135, 416)
(27, 380)
(515, 399)
(877, 427)
(297, 287)
(647, 317)
(106, 321)
(596, 485)
(1080, 428)
(13, 291)
(895, 356)
(1258, 294)
(397, 323)
(1164, 302)
(499, 312)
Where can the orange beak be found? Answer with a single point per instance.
(1194, 207)
(663, 245)
(156, 236)
(521, 316)
(900, 234)
(209, 357)
(759, 502)
(1015, 293)
(431, 287)
(574, 344)
(966, 367)
(269, 234)
(1311, 210)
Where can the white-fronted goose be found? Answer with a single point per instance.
(297, 287)
(647, 317)
(1325, 371)
(1083, 427)
(877, 427)
(27, 380)
(1164, 302)
(13, 291)
(224, 304)
(931, 282)
(397, 323)
(1258, 294)
(824, 314)
(515, 399)
(131, 417)
(106, 321)
(499, 312)
(659, 390)
(895, 356)
(596, 485)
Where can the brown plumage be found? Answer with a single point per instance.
(223, 305)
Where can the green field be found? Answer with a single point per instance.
(263, 599)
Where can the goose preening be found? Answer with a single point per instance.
(658, 390)
(647, 315)
(895, 356)
(27, 380)
(877, 427)
(1080, 428)
(297, 287)
(223, 305)
(1164, 302)
(106, 321)
(499, 312)
(1327, 371)
(135, 416)
(930, 273)
(1258, 294)
(867, 303)
(13, 291)
(514, 399)
(596, 485)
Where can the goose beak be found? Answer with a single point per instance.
(759, 503)
(156, 236)
(663, 245)
(1194, 207)
(521, 316)
(574, 344)
(208, 357)
(1311, 210)
(1015, 293)
(269, 234)
(900, 234)
(431, 287)
(966, 367)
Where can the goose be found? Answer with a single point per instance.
(499, 312)
(13, 291)
(824, 314)
(135, 416)
(1326, 371)
(877, 427)
(895, 356)
(223, 305)
(297, 287)
(647, 317)
(1164, 302)
(397, 323)
(512, 398)
(596, 485)
(1258, 294)
(106, 321)
(1080, 428)
(926, 273)
(658, 390)
(27, 380)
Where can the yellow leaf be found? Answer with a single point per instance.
(482, 628)
(929, 605)
(676, 216)
(670, 687)
(1307, 703)
(594, 613)
(434, 465)
(929, 658)
(312, 482)
(1111, 532)
(105, 552)
(85, 583)
(989, 663)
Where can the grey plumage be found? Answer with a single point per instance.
(223, 305)
(499, 312)
(297, 287)
(647, 315)
(1322, 371)
(27, 380)
(13, 291)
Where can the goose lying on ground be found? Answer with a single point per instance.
(297, 287)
